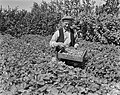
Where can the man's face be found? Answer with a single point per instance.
(66, 24)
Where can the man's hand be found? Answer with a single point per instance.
(61, 44)
(76, 46)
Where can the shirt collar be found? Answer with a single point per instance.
(65, 30)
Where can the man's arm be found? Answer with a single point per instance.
(54, 38)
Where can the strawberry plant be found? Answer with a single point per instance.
(26, 68)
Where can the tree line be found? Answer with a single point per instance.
(93, 22)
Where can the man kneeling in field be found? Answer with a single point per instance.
(65, 36)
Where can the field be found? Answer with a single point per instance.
(26, 69)
(26, 65)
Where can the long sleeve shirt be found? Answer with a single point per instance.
(67, 38)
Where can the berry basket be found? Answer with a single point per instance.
(69, 56)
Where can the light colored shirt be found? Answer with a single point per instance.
(67, 38)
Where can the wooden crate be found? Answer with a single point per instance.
(67, 56)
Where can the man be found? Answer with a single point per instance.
(65, 36)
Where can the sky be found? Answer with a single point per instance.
(26, 4)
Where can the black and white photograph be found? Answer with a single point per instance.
(59, 47)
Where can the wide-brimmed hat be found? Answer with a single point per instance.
(67, 18)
